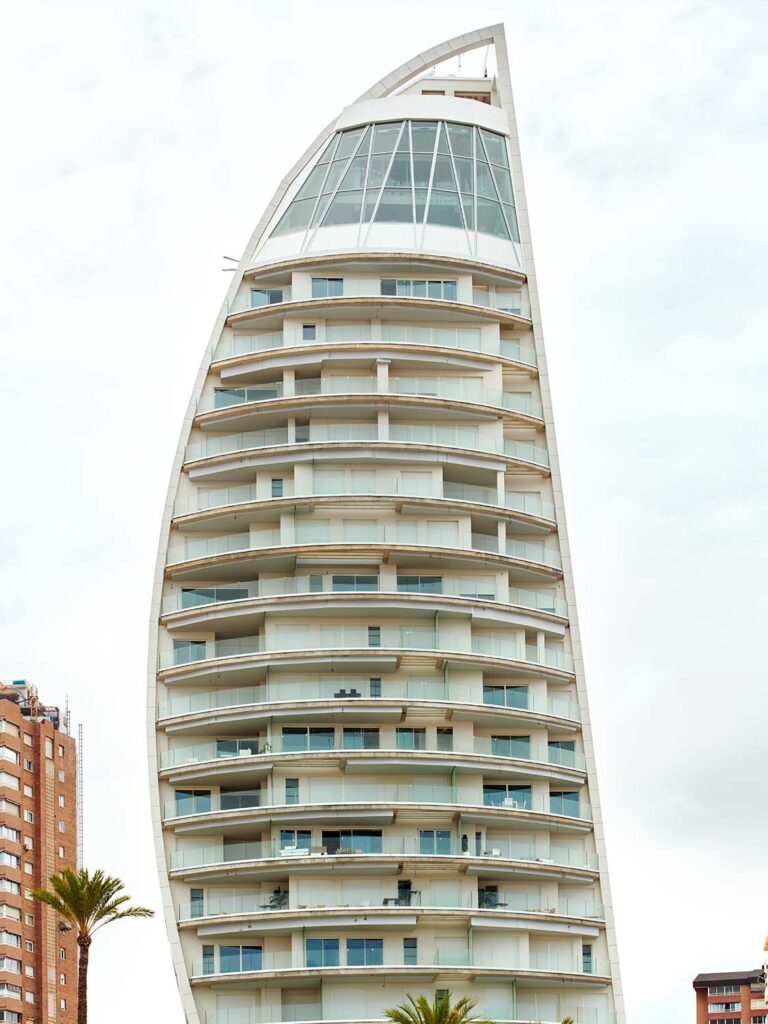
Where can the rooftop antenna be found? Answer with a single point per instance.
(66, 714)
(233, 260)
(79, 773)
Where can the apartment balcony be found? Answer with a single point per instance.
(242, 966)
(358, 688)
(497, 853)
(527, 1009)
(499, 748)
(312, 793)
(388, 534)
(463, 339)
(377, 639)
(368, 388)
(501, 901)
(339, 434)
(209, 498)
(468, 589)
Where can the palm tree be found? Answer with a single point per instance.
(88, 901)
(439, 1011)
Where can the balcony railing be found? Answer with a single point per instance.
(528, 1009)
(466, 438)
(344, 583)
(392, 533)
(516, 748)
(385, 846)
(421, 387)
(344, 687)
(278, 901)
(220, 497)
(308, 638)
(312, 792)
(467, 339)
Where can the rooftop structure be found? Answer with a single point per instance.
(727, 997)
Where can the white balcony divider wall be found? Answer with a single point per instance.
(371, 761)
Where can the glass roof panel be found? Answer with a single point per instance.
(385, 137)
(348, 142)
(295, 218)
(495, 147)
(314, 182)
(461, 139)
(423, 134)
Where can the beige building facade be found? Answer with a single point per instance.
(371, 758)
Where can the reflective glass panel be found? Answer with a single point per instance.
(396, 206)
(385, 137)
(423, 135)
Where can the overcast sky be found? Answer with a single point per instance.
(140, 144)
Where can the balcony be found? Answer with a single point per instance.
(350, 688)
(416, 387)
(516, 749)
(313, 793)
(463, 339)
(392, 533)
(445, 846)
(529, 1008)
(505, 901)
(223, 497)
(465, 438)
(470, 589)
(308, 638)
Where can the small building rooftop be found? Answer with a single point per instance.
(736, 977)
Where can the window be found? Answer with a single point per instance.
(410, 952)
(724, 1007)
(9, 807)
(587, 964)
(29, 945)
(10, 991)
(9, 727)
(565, 803)
(511, 746)
(420, 584)
(723, 990)
(327, 287)
(61, 800)
(265, 296)
(365, 952)
(516, 797)
(445, 739)
(6, 832)
(62, 775)
(234, 959)
(355, 840)
(10, 1017)
(29, 971)
(27, 739)
(295, 839)
(345, 584)
(196, 902)
(48, 747)
(278, 489)
(62, 826)
(12, 912)
(435, 841)
(29, 919)
(29, 766)
(28, 790)
(7, 754)
(321, 952)
(62, 979)
(10, 939)
(7, 963)
(61, 750)
(441, 993)
(61, 851)
(309, 332)
(7, 885)
(419, 289)
(28, 868)
(411, 739)
(291, 791)
(374, 687)
(62, 953)
(297, 738)
(506, 696)
(9, 859)
(9, 780)
(29, 816)
(63, 1004)
(374, 636)
(361, 739)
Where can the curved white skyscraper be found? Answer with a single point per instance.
(371, 754)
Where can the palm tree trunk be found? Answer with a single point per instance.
(84, 946)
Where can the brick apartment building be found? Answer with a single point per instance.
(733, 997)
(38, 837)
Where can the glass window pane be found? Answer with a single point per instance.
(485, 186)
(322, 206)
(422, 165)
(371, 198)
(489, 218)
(400, 172)
(444, 178)
(348, 142)
(423, 135)
(442, 142)
(296, 217)
(444, 209)
(377, 170)
(385, 137)
(512, 219)
(388, 286)
(328, 151)
(355, 176)
(334, 175)
(461, 139)
(466, 177)
(418, 289)
(345, 209)
(496, 147)
(449, 291)
(421, 202)
(503, 184)
(396, 206)
(314, 183)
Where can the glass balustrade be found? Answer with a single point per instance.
(313, 792)
(344, 687)
(386, 846)
(467, 339)
(322, 433)
(306, 638)
(498, 747)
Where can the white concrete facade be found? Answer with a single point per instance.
(370, 751)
